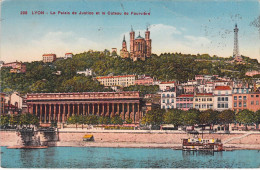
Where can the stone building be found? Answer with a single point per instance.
(140, 48)
(48, 58)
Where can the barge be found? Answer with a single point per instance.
(197, 144)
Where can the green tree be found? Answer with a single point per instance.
(28, 119)
(173, 116)
(257, 118)
(154, 117)
(245, 117)
(4, 120)
(226, 117)
(117, 120)
(129, 120)
(73, 120)
(190, 117)
(104, 120)
(208, 117)
(14, 120)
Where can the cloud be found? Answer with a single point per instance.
(52, 42)
(167, 38)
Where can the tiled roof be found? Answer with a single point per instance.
(169, 82)
(186, 95)
(222, 88)
(204, 94)
(48, 54)
(106, 77)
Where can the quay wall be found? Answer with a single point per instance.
(72, 138)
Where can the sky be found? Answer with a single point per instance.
(189, 27)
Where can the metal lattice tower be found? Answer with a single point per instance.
(236, 49)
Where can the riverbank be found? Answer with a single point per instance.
(136, 139)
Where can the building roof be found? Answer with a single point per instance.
(204, 94)
(106, 77)
(222, 88)
(68, 53)
(186, 95)
(169, 82)
(49, 54)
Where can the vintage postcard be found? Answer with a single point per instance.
(130, 84)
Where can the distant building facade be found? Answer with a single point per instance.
(48, 58)
(68, 55)
(184, 101)
(168, 99)
(252, 73)
(144, 80)
(203, 101)
(222, 98)
(88, 72)
(123, 81)
(17, 67)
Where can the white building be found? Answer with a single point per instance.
(88, 72)
(168, 100)
(68, 55)
(222, 98)
(166, 86)
(123, 81)
(14, 99)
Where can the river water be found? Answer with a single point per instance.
(93, 157)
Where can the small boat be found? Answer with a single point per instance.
(88, 137)
(198, 144)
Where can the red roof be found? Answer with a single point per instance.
(169, 82)
(105, 77)
(68, 53)
(48, 54)
(204, 94)
(186, 95)
(222, 88)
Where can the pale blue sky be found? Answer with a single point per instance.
(176, 26)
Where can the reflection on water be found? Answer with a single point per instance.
(76, 157)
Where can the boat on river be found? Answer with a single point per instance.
(198, 144)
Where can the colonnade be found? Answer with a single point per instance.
(60, 112)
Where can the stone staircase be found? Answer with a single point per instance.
(239, 137)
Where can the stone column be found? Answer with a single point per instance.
(78, 109)
(107, 113)
(113, 110)
(123, 111)
(73, 109)
(98, 109)
(45, 115)
(84, 109)
(40, 113)
(49, 113)
(54, 113)
(93, 108)
(64, 113)
(68, 114)
(88, 108)
(137, 117)
(59, 108)
(127, 111)
(36, 110)
(133, 112)
(103, 109)
(117, 112)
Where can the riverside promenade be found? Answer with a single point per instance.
(139, 138)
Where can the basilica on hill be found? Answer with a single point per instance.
(140, 48)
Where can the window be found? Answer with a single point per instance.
(218, 105)
(257, 102)
(235, 97)
(168, 95)
(163, 95)
(240, 97)
(226, 98)
(257, 96)
(184, 99)
(163, 101)
(235, 104)
(252, 95)
(244, 97)
(242, 91)
(226, 105)
(252, 102)
(177, 99)
(163, 107)
(172, 101)
(222, 105)
(168, 101)
(240, 104)
(244, 104)
(172, 95)
(218, 98)
(196, 99)
(177, 105)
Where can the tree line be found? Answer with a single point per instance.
(11, 121)
(41, 78)
(193, 117)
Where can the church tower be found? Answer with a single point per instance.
(132, 39)
(148, 43)
(123, 52)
